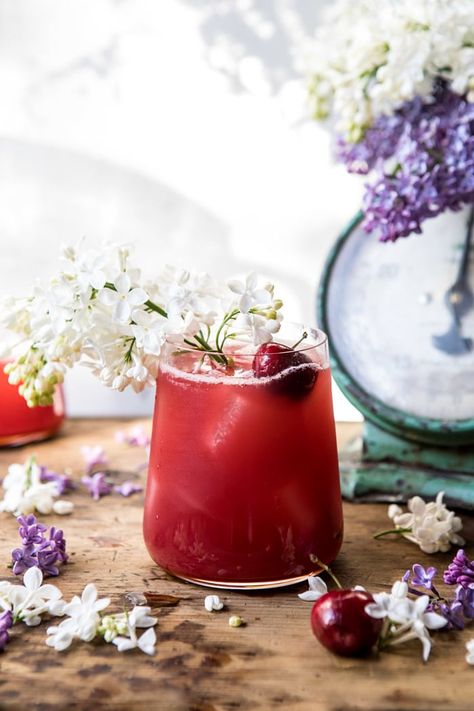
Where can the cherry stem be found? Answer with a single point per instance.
(314, 559)
(392, 530)
(295, 345)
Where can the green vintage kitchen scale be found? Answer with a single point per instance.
(400, 318)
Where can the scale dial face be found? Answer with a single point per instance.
(385, 302)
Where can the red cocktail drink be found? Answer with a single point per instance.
(243, 482)
(19, 423)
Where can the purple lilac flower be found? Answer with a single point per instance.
(454, 613)
(460, 571)
(423, 578)
(30, 531)
(136, 437)
(97, 485)
(6, 623)
(465, 596)
(128, 488)
(94, 457)
(430, 145)
(24, 558)
(63, 481)
(38, 550)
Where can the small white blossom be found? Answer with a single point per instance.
(83, 619)
(127, 624)
(147, 330)
(25, 493)
(29, 601)
(405, 619)
(430, 525)
(63, 508)
(146, 642)
(123, 299)
(213, 602)
(470, 652)
(317, 588)
(250, 293)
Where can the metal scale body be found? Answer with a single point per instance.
(401, 352)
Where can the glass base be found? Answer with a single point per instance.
(223, 585)
(18, 440)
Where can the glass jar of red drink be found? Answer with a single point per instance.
(243, 483)
(20, 424)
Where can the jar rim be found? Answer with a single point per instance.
(319, 338)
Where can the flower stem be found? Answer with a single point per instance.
(399, 531)
(314, 559)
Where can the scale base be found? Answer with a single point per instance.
(383, 467)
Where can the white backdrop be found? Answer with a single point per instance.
(180, 125)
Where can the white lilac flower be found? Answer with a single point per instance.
(385, 603)
(146, 642)
(83, 619)
(317, 588)
(430, 525)
(405, 619)
(251, 295)
(29, 601)
(112, 626)
(121, 630)
(25, 492)
(147, 330)
(98, 311)
(371, 57)
(213, 602)
(470, 652)
(123, 298)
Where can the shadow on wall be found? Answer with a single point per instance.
(49, 196)
(259, 45)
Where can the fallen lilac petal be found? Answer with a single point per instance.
(465, 596)
(97, 485)
(128, 488)
(23, 558)
(6, 623)
(94, 457)
(422, 577)
(135, 437)
(63, 481)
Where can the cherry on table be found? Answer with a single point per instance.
(340, 622)
(274, 359)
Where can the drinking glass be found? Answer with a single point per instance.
(243, 483)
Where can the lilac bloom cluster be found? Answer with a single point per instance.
(63, 481)
(422, 160)
(460, 572)
(38, 550)
(6, 622)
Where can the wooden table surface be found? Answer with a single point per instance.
(202, 664)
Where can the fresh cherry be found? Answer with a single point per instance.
(341, 624)
(273, 359)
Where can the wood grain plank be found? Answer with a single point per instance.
(201, 663)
